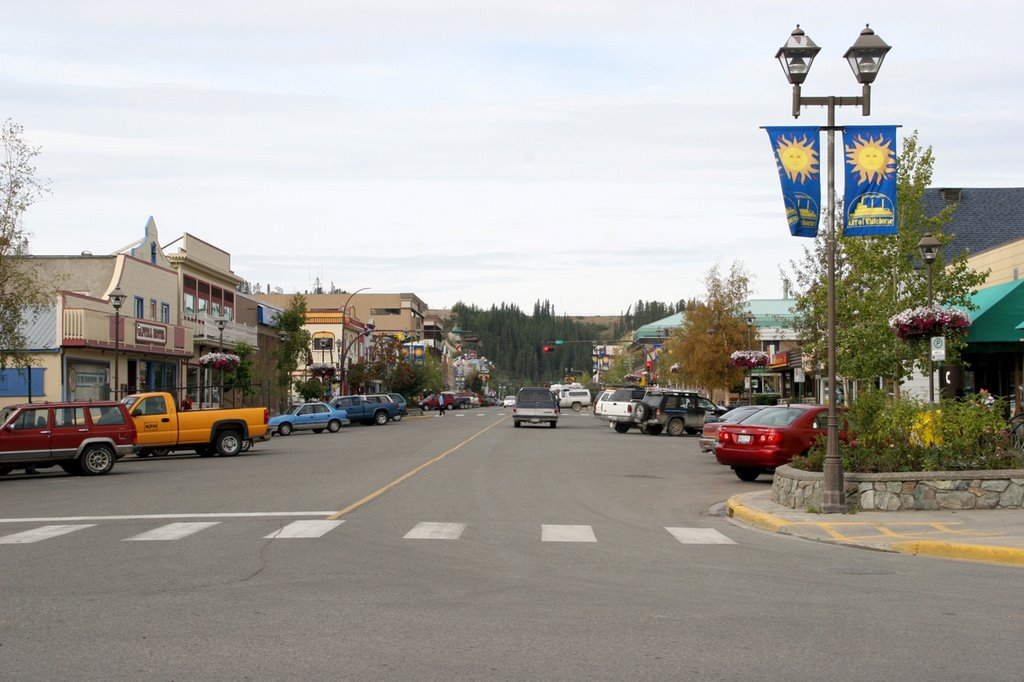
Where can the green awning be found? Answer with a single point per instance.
(998, 313)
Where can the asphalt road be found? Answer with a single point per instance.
(466, 550)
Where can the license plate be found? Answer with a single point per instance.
(743, 438)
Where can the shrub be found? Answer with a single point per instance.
(889, 435)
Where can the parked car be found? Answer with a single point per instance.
(366, 409)
(313, 417)
(712, 425)
(675, 412)
(162, 426)
(576, 398)
(509, 401)
(430, 402)
(619, 408)
(465, 400)
(770, 438)
(403, 407)
(80, 437)
(535, 405)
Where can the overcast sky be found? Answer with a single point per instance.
(586, 152)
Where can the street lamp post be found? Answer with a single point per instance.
(117, 300)
(344, 356)
(344, 361)
(865, 58)
(929, 247)
(221, 323)
(749, 319)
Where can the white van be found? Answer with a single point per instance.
(576, 398)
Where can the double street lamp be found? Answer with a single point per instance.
(865, 58)
(929, 247)
(344, 356)
(117, 300)
(749, 319)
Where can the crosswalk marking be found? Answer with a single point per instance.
(172, 531)
(556, 533)
(426, 530)
(304, 529)
(699, 536)
(42, 533)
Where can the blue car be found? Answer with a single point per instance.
(313, 417)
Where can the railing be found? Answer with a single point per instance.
(205, 327)
(94, 327)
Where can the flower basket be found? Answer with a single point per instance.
(226, 361)
(323, 370)
(927, 321)
(749, 358)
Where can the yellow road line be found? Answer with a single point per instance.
(377, 493)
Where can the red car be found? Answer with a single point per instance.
(81, 437)
(770, 438)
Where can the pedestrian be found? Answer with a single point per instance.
(987, 399)
(440, 404)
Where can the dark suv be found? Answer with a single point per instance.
(675, 412)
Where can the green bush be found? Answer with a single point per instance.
(765, 398)
(889, 435)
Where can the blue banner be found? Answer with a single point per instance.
(796, 155)
(870, 197)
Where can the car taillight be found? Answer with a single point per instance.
(266, 415)
(770, 437)
(657, 413)
(724, 436)
(629, 408)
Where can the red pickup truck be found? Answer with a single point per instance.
(80, 437)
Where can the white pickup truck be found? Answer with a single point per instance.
(617, 406)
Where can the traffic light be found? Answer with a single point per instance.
(648, 365)
(548, 349)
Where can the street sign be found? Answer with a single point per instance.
(559, 342)
(798, 375)
(938, 348)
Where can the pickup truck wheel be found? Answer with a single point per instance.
(228, 443)
(380, 418)
(284, 429)
(576, 407)
(675, 427)
(517, 424)
(397, 418)
(246, 444)
(621, 428)
(96, 460)
(333, 426)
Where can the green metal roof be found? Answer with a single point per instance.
(651, 329)
(998, 313)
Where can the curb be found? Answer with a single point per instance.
(742, 512)
(1007, 556)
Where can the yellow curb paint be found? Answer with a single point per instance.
(740, 511)
(377, 493)
(1009, 556)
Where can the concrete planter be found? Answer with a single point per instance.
(906, 491)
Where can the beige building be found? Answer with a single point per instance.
(84, 349)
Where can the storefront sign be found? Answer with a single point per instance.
(150, 333)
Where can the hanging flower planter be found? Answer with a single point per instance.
(927, 321)
(749, 358)
(227, 361)
(324, 370)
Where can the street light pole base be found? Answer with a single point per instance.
(832, 503)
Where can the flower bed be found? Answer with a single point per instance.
(905, 491)
(226, 361)
(749, 358)
(927, 321)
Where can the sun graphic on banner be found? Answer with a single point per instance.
(799, 159)
(871, 158)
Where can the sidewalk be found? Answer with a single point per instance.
(990, 536)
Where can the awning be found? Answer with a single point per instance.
(998, 314)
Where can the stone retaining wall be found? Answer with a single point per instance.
(906, 491)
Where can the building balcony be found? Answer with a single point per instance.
(204, 330)
(86, 328)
